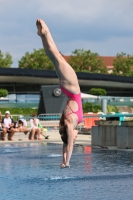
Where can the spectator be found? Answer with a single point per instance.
(0, 121)
(7, 124)
(36, 127)
(21, 126)
(42, 131)
(34, 124)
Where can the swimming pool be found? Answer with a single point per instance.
(31, 171)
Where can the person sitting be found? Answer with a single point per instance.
(21, 126)
(43, 130)
(36, 128)
(0, 121)
(0, 125)
(7, 125)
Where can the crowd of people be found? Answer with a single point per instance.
(9, 127)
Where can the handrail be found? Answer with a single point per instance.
(57, 116)
(108, 115)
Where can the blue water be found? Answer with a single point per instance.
(31, 171)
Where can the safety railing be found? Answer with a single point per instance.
(51, 121)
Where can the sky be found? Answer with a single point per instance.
(102, 26)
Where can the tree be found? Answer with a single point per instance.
(86, 61)
(97, 91)
(5, 60)
(3, 92)
(123, 65)
(36, 60)
(87, 107)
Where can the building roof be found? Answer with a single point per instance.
(108, 60)
(19, 75)
(27, 72)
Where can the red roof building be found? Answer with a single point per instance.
(108, 60)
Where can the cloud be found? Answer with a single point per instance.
(108, 47)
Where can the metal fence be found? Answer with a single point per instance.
(49, 121)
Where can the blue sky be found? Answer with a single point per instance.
(103, 26)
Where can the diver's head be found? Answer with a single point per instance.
(63, 130)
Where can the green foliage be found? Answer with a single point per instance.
(5, 60)
(96, 108)
(123, 65)
(86, 61)
(87, 107)
(97, 91)
(36, 60)
(19, 111)
(3, 92)
(111, 108)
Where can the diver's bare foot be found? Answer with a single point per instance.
(42, 27)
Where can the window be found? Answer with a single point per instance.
(21, 98)
(30, 98)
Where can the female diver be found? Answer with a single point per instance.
(72, 113)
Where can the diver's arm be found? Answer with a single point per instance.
(69, 147)
(64, 156)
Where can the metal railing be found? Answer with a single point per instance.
(50, 121)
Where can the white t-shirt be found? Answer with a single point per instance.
(7, 121)
(33, 125)
(24, 123)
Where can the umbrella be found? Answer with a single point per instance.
(87, 96)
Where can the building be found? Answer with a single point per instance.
(24, 85)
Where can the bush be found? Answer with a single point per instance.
(17, 111)
(3, 92)
(97, 91)
(96, 108)
(111, 108)
(88, 107)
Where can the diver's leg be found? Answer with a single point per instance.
(65, 72)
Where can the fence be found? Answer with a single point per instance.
(50, 121)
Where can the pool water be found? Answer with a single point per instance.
(31, 171)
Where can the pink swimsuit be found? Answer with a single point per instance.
(77, 99)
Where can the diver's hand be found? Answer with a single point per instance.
(62, 165)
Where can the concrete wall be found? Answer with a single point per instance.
(119, 136)
(104, 136)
